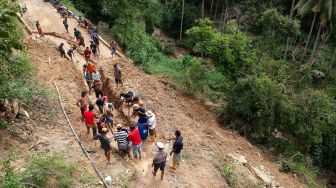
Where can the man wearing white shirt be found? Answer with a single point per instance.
(151, 125)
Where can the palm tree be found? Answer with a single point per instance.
(291, 14)
(326, 11)
(305, 7)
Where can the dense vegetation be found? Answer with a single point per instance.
(269, 64)
(15, 69)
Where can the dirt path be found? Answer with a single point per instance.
(207, 143)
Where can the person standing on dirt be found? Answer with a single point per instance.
(70, 52)
(39, 29)
(177, 148)
(61, 50)
(159, 161)
(100, 102)
(151, 125)
(105, 143)
(82, 102)
(81, 41)
(93, 48)
(134, 137)
(121, 137)
(66, 25)
(113, 48)
(96, 76)
(98, 89)
(91, 68)
(95, 38)
(88, 80)
(77, 34)
(117, 74)
(90, 122)
(87, 54)
(108, 108)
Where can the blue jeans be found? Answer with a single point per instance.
(136, 149)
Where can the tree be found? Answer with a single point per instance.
(326, 11)
(291, 14)
(181, 28)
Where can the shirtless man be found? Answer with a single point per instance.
(82, 102)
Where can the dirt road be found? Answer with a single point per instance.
(207, 143)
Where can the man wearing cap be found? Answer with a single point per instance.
(105, 144)
(136, 109)
(159, 161)
(121, 137)
(135, 138)
(151, 125)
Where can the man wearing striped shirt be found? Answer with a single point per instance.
(121, 137)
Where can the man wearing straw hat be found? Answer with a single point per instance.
(159, 161)
(151, 125)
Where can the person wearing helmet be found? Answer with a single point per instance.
(121, 137)
(105, 143)
(159, 161)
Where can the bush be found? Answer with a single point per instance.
(41, 168)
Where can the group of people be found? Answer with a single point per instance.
(101, 123)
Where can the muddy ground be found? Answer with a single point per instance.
(207, 143)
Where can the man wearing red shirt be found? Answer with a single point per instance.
(134, 137)
(90, 122)
(87, 54)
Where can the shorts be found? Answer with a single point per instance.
(136, 149)
(83, 109)
(109, 119)
(124, 147)
(94, 129)
(177, 158)
(152, 132)
(160, 166)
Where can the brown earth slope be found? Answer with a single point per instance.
(207, 143)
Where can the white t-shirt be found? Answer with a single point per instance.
(96, 76)
(152, 122)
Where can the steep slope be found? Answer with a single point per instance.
(207, 143)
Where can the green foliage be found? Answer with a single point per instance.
(227, 172)
(41, 168)
(171, 20)
(301, 166)
(10, 179)
(169, 48)
(230, 52)
(275, 28)
(9, 35)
